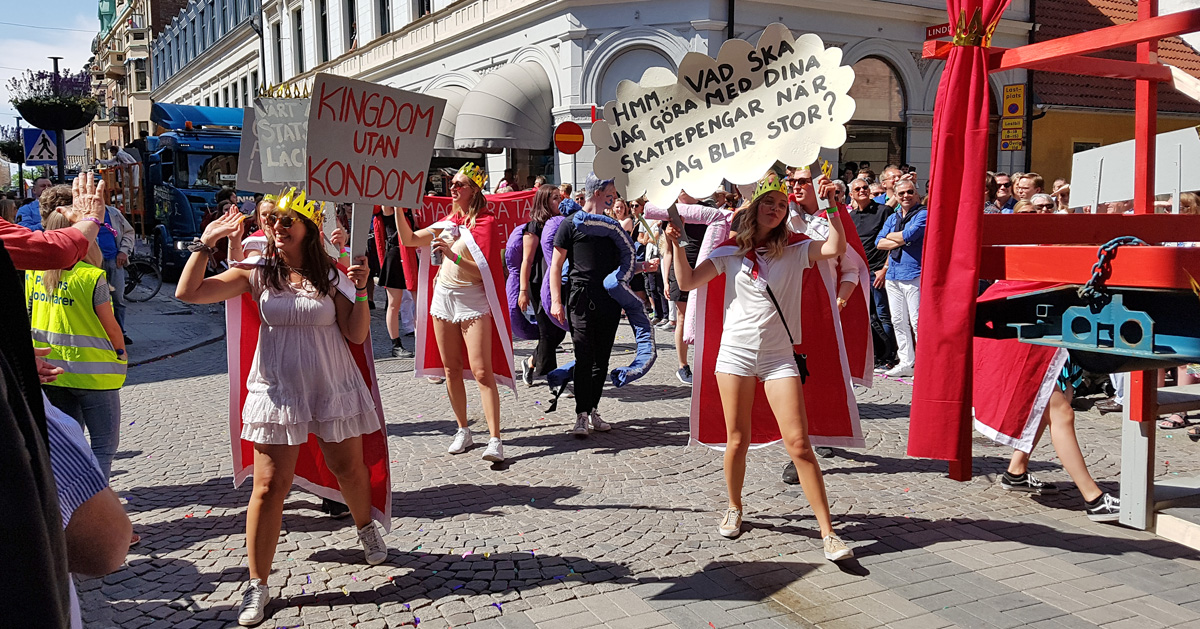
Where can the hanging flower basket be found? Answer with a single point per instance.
(12, 151)
(61, 113)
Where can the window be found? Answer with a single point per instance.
(195, 47)
(323, 29)
(385, 17)
(423, 8)
(1079, 147)
(278, 52)
(877, 129)
(224, 14)
(350, 23)
(245, 92)
(235, 95)
(207, 101)
(140, 79)
(254, 81)
(203, 31)
(225, 97)
(212, 22)
(298, 40)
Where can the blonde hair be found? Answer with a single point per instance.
(50, 279)
(776, 240)
(478, 205)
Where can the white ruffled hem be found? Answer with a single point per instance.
(329, 431)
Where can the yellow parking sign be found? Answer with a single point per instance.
(1012, 123)
(1014, 101)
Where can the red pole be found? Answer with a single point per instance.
(1141, 392)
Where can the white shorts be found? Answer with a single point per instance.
(763, 364)
(459, 304)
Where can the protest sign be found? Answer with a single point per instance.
(249, 176)
(728, 118)
(369, 143)
(281, 130)
(511, 210)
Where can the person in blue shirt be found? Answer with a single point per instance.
(903, 237)
(29, 215)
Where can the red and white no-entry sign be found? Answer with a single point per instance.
(568, 137)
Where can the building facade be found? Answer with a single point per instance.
(511, 70)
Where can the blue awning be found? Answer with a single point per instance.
(177, 116)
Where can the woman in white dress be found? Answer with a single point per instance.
(303, 379)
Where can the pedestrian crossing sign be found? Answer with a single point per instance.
(41, 148)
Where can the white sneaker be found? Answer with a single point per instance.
(255, 599)
(495, 450)
(899, 371)
(835, 548)
(462, 441)
(581, 425)
(372, 543)
(731, 523)
(599, 425)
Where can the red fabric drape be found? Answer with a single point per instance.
(940, 424)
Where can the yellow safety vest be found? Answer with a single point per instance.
(66, 322)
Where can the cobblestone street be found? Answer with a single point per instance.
(619, 529)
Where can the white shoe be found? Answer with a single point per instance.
(255, 599)
(495, 450)
(462, 441)
(372, 543)
(899, 371)
(581, 425)
(731, 523)
(599, 425)
(836, 549)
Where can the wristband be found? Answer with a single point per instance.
(358, 298)
(831, 210)
(458, 260)
(198, 246)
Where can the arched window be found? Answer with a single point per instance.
(629, 65)
(877, 92)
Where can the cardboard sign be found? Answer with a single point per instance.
(281, 130)
(1102, 175)
(249, 175)
(369, 143)
(1014, 101)
(732, 117)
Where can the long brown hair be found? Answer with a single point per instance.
(50, 279)
(776, 240)
(8, 210)
(478, 205)
(318, 268)
(541, 211)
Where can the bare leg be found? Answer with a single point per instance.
(681, 348)
(394, 295)
(345, 460)
(1019, 463)
(450, 345)
(1066, 446)
(274, 467)
(787, 403)
(477, 333)
(737, 400)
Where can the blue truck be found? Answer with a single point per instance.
(184, 168)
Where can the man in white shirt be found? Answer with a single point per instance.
(119, 157)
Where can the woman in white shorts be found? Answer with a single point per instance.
(460, 311)
(757, 344)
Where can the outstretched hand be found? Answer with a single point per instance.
(87, 198)
(224, 227)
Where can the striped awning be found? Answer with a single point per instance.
(508, 109)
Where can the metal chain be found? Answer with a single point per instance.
(1094, 290)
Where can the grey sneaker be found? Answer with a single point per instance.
(581, 425)
(462, 441)
(599, 425)
(372, 543)
(836, 549)
(255, 599)
(684, 374)
(494, 451)
(731, 523)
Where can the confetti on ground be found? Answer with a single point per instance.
(345, 591)
(712, 625)
(456, 587)
(310, 578)
(133, 422)
(188, 515)
(407, 606)
(497, 606)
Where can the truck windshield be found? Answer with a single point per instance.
(205, 170)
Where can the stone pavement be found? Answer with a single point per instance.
(164, 326)
(619, 529)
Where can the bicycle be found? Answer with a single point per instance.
(143, 278)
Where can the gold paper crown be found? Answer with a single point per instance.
(773, 182)
(291, 200)
(474, 173)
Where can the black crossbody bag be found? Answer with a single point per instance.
(801, 359)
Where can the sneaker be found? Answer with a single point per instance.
(581, 425)
(128, 341)
(1029, 484)
(824, 452)
(334, 509)
(462, 441)
(684, 374)
(436, 379)
(372, 542)
(899, 371)
(836, 549)
(494, 451)
(399, 351)
(255, 599)
(599, 425)
(1104, 509)
(882, 368)
(527, 373)
(731, 523)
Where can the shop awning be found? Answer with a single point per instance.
(508, 109)
(443, 146)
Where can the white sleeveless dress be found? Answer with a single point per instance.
(303, 379)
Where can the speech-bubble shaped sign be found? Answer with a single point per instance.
(729, 118)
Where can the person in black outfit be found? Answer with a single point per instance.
(691, 249)
(533, 263)
(593, 315)
(391, 277)
(868, 216)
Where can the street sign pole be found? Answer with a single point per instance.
(574, 175)
(61, 140)
(20, 166)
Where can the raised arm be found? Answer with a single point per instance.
(835, 245)
(685, 276)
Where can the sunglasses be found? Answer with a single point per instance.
(459, 184)
(860, 189)
(904, 193)
(1004, 185)
(801, 181)
(1044, 206)
(280, 220)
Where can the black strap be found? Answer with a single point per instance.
(781, 317)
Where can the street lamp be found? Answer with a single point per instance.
(60, 140)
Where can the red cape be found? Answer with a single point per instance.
(242, 325)
(828, 394)
(856, 316)
(1013, 380)
(483, 242)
